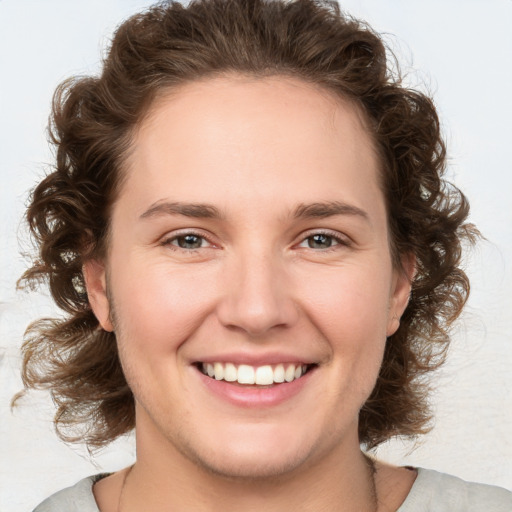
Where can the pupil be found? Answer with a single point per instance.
(320, 241)
(189, 242)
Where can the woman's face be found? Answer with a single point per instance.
(250, 240)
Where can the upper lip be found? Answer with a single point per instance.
(255, 359)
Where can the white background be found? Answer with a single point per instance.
(462, 50)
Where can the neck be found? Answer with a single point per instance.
(163, 479)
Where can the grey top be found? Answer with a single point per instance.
(431, 492)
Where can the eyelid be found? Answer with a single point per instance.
(340, 238)
(170, 237)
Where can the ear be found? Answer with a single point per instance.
(400, 291)
(96, 285)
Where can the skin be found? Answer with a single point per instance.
(255, 285)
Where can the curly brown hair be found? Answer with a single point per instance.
(92, 124)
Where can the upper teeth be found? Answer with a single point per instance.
(262, 375)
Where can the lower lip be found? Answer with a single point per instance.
(255, 396)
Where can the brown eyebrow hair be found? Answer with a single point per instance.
(197, 210)
(328, 209)
(208, 211)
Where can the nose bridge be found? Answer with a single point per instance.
(257, 295)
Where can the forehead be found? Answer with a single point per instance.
(242, 137)
(261, 101)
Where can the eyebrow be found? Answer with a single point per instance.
(196, 210)
(317, 210)
(328, 209)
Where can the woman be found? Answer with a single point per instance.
(249, 230)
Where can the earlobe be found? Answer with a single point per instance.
(96, 285)
(401, 292)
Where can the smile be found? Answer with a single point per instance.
(249, 375)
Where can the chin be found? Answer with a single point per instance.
(249, 461)
(255, 467)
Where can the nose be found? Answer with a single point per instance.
(258, 296)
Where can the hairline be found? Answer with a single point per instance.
(165, 91)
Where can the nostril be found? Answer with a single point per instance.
(257, 307)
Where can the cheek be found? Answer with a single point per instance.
(349, 304)
(158, 306)
(350, 310)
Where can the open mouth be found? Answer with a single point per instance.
(265, 375)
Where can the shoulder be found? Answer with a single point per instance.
(77, 498)
(438, 492)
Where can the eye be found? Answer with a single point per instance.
(187, 241)
(322, 241)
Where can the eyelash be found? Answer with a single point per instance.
(168, 241)
(340, 241)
